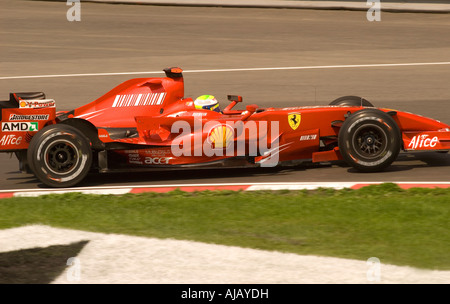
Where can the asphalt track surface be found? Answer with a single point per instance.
(36, 39)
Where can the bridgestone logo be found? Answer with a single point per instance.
(15, 117)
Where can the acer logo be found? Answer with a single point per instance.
(157, 160)
(423, 141)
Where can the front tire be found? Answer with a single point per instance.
(369, 140)
(60, 156)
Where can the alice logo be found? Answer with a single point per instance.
(74, 12)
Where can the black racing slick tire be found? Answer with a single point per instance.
(355, 101)
(60, 155)
(369, 140)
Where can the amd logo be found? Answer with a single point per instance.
(19, 126)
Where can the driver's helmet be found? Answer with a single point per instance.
(207, 102)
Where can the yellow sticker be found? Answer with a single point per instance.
(294, 120)
(221, 136)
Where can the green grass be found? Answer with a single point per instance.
(401, 227)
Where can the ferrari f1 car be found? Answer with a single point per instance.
(148, 124)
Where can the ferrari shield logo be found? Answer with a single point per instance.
(294, 120)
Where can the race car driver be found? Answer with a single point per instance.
(207, 102)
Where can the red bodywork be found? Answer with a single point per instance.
(136, 125)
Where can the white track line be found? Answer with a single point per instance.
(79, 189)
(117, 190)
(110, 191)
(238, 70)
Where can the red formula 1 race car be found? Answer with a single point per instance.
(148, 124)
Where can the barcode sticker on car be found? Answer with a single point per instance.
(134, 100)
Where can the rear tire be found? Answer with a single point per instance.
(60, 155)
(369, 140)
(354, 101)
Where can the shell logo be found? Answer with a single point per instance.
(221, 136)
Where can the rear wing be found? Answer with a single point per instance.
(22, 116)
(15, 98)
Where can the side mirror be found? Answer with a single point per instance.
(235, 98)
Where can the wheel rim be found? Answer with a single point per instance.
(370, 141)
(61, 157)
